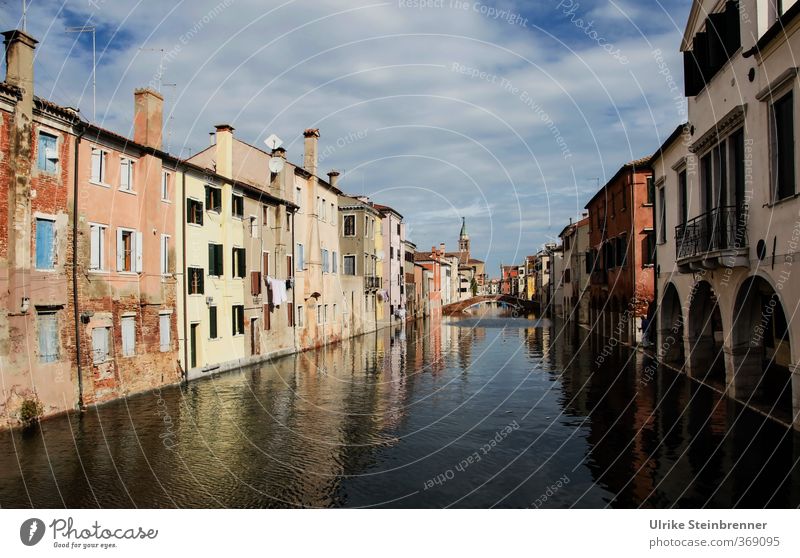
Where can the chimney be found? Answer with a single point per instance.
(148, 117)
(333, 178)
(441, 248)
(310, 156)
(224, 152)
(19, 62)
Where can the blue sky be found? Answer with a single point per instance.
(505, 112)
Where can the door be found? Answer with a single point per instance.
(193, 345)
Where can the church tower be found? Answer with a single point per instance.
(463, 241)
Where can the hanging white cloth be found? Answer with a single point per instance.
(278, 288)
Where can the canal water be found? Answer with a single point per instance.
(490, 410)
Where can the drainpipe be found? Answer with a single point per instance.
(656, 228)
(185, 371)
(75, 267)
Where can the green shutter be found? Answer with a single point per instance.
(212, 259)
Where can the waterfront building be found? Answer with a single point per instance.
(412, 289)
(730, 206)
(530, 278)
(575, 241)
(361, 242)
(433, 265)
(622, 252)
(394, 233)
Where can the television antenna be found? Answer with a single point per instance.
(84, 29)
(276, 164)
(160, 73)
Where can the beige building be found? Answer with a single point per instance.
(727, 207)
(576, 273)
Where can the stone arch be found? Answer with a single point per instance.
(761, 351)
(670, 327)
(704, 336)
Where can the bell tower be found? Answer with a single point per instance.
(463, 240)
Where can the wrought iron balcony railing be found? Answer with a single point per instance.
(721, 229)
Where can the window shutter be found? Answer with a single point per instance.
(241, 263)
(128, 337)
(255, 283)
(138, 248)
(265, 264)
(96, 157)
(120, 251)
(94, 247)
(212, 262)
(290, 313)
(44, 244)
(266, 317)
(164, 332)
(123, 175)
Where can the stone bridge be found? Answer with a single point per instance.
(460, 306)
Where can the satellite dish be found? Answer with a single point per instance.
(273, 142)
(276, 164)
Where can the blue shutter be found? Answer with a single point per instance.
(44, 244)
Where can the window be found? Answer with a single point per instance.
(164, 254)
(194, 211)
(334, 263)
(349, 265)
(650, 248)
(325, 314)
(166, 179)
(300, 319)
(239, 263)
(45, 244)
(683, 198)
(213, 199)
(265, 264)
(98, 166)
(622, 250)
(651, 194)
(100, 344)
(237, 319)
(398, 229)
(129, 251)
(195, 281)
(391, 252)
(164, 332)
(212, 322)
(47, 155)
(215, 267)
(267, 324)
(566, 243)
(97, 247)
(290, 313)
(298, 198)
(300, 258)
(289, 267)
(783, 147)
(265, 215)
(255, 283)
(254, 226)
(662, 216)
(126, 175)
(333, 214)
(349, 225)
(320, 318)
(237, 206)
(47, 324)
(325, 261)
(128, 324)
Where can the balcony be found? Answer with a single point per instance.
(372, 283)
(712, 240)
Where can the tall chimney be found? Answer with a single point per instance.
(333, 178)
(148, 121)
(441, 248)
(224, 143)
(310, 155)
(19, 62)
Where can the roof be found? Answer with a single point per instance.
(386, 209)
(638, 164)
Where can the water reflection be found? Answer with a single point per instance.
(393, 418)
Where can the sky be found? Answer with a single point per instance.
(507, 113)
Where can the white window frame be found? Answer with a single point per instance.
(165, 238)
(355, 265)
(166, 183)
(136, 251)
(107, 349)
(161, 316)
(254, 226)
(99, 230)
(344, 225)
(100, 179)
(126, 170)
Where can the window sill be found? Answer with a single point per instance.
(99, 271)
(46, 269)
(165, 200)
(782, 200)
(198, 225)
(101, 184)
(131, 192)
